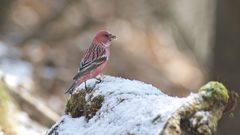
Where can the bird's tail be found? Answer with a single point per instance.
(71, 88)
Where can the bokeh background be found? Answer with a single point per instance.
(175, 45)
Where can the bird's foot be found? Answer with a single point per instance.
(99, 80)
(85, 85)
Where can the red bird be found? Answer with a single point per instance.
(94, 60)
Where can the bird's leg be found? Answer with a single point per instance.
(99, 79)
(85, 85)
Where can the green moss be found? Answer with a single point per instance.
(92, 107)
(77, 105)
(4, 97)
(7, 107)
(214, 91)
(216, 99)
(3, 104)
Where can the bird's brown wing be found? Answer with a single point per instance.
(93, 52)
(90, 66)
(94, 56)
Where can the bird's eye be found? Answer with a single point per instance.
(106, 35)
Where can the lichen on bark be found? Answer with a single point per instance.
(202, 115)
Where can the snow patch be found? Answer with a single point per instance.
(129, 107)
(14, 70)
(27, 126)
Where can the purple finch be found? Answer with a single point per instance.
(94, 60)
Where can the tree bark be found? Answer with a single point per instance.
(226, 55)
(4, 8)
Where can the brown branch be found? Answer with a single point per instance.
(36, 109)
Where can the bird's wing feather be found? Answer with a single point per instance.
(94, 51)
(93, 58)
(90, 67)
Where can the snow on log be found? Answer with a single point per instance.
(119, 106)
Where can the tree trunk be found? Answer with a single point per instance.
(226, 64)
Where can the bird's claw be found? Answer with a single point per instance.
(98, 80)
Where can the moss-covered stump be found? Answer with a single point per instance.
(121, 106)
(201, 116)
(82, 103)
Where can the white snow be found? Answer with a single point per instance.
(3, 49)
(14, 70)
(201, 117)
(128, 107)
(17, 72)
(26, 126)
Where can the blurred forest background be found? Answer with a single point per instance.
(176, 45)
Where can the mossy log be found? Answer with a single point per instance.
(201, 116)
(107, 108)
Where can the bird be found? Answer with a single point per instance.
(95, 59)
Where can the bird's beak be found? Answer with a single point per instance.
(112, 37)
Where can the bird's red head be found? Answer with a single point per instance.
(103, 37)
